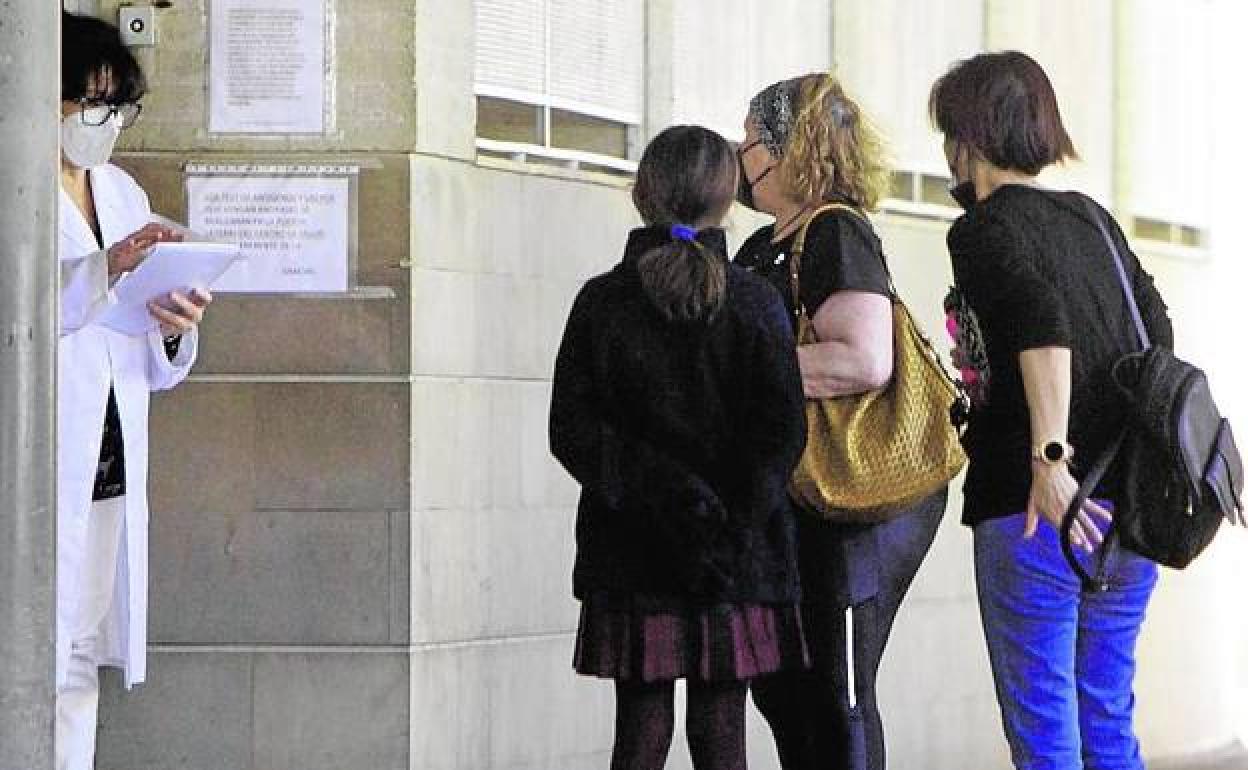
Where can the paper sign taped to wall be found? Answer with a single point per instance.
(267, 66)
(293, 231)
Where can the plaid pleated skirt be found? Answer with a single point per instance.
(654, 640)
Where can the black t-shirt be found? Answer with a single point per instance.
(110, 472)
(1033, 269)
(842, 253)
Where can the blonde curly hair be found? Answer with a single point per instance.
(833, 152)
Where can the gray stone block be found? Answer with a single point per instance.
(244, 334)
(194, 713)
(400, 577)
(509, 705)
(483, 220)
(203, 449)
(238, 447)
(491, 573)
(484, 443)
(332, 446)
(331, 710)
(275, 578)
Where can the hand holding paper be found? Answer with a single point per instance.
(183, 313)
(169, 268)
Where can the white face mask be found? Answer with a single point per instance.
(89, 146)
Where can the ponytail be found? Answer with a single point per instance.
(685, 280)
(686, 174)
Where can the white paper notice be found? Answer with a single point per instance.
(169, 267)
(267, 72)
(292, 230)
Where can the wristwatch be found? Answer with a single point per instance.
(1053, 452)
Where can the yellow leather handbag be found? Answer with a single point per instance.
(871, 455)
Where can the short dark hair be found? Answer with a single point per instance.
(1003, 105)
(686, 174)
(91, 48)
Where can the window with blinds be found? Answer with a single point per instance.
(1074, 41)
(719, 62)
(561, 79)
(1166, 107)
(888, 53)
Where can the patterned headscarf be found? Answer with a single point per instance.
(774, 111)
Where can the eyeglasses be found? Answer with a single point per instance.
(98, 113)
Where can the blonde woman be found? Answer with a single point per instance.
(808, 144)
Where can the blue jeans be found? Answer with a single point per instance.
(1063, 660)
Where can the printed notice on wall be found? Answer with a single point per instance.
(293, 230)
(267, 71)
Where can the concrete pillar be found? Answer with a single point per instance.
(29, 67)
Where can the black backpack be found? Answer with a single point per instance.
(1181, 471)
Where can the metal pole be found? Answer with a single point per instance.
(30, 45)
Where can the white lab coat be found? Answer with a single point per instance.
(90, 358)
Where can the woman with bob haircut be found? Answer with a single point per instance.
(1038, 294)
(677, 406)
(105, 381)
(807, 144)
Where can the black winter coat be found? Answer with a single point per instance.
(683, 437)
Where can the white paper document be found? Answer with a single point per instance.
(267, 63)
(294, 231)
(169, 267)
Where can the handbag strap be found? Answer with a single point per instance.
(799, 247)
(962, 402)
(1142, 332)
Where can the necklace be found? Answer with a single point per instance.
(775, 238)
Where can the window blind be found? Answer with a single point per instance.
(719, 61)
(1166, 110)
(597, 57)
(511, 49)
(889, 52)
(1073, 40)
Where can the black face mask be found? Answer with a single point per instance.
(745, 185)
(964, 194)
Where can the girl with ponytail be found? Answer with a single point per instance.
(677, 406)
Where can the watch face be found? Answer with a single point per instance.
(1054, 451)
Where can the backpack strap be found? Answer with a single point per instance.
(1103, 463)
(1127, 291)
(1093, 477)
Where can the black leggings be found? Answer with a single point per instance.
(818, 722)
(714, 725)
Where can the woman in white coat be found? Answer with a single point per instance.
(105, 381)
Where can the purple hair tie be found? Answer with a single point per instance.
(684, 233)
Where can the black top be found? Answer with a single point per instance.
(110, 473)
(1034, 269)
(683, 437)
(842, 253)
